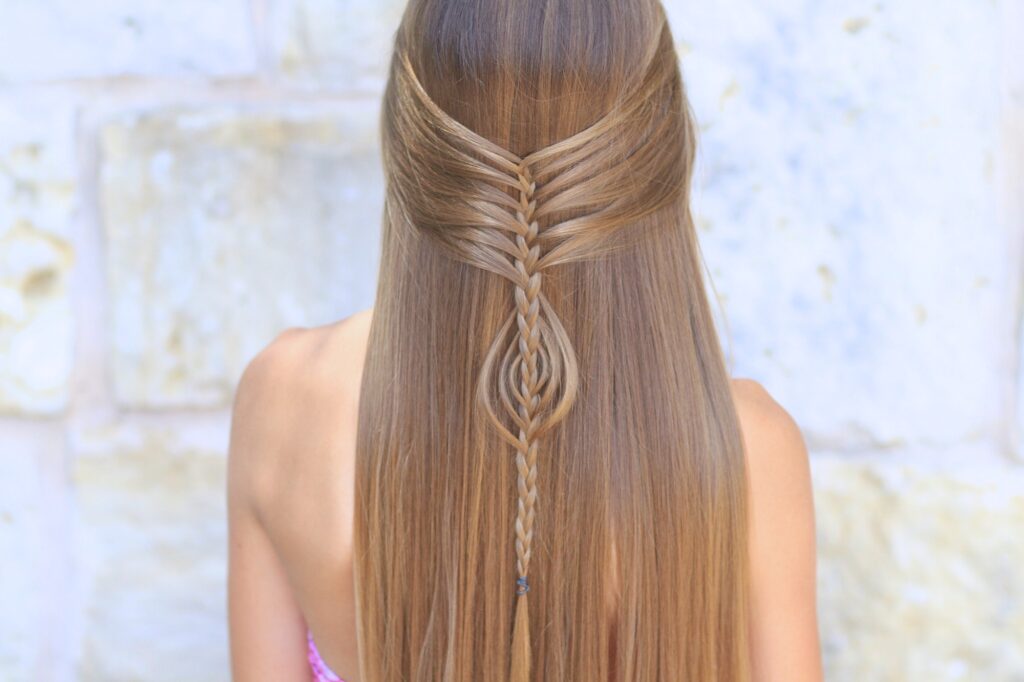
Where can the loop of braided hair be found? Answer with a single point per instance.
(492, 204)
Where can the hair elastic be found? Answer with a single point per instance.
(523, 586)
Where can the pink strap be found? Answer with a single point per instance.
(321, 673)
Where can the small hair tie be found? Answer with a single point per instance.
(524, 586)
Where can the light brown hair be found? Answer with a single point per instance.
(550, 480)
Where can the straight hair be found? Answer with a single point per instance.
(550, 478)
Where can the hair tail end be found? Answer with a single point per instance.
(520, 671)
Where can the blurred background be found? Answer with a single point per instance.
(179, 181)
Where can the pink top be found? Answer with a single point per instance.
(321, 673)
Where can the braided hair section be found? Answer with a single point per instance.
(527, 298)
(530, 381)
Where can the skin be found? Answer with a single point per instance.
(290, 488)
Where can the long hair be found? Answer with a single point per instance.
(550, 479)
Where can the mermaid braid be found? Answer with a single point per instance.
(527, 298)
(485, 204)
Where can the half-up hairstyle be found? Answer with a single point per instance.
(545, 412)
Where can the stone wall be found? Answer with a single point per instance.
(180, 181)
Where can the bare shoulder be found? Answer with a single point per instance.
(302, 378)
(777, 456)
(300, 363)
(767, 426)
(783, 553)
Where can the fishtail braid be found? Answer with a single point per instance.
(527, 298)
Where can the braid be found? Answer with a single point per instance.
(527, 297)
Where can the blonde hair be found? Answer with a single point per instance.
(540, 269)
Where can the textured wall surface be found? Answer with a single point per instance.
(180, 181)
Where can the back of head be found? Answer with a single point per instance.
(550, 478)
(587, 94)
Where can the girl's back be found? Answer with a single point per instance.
(292, 468)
